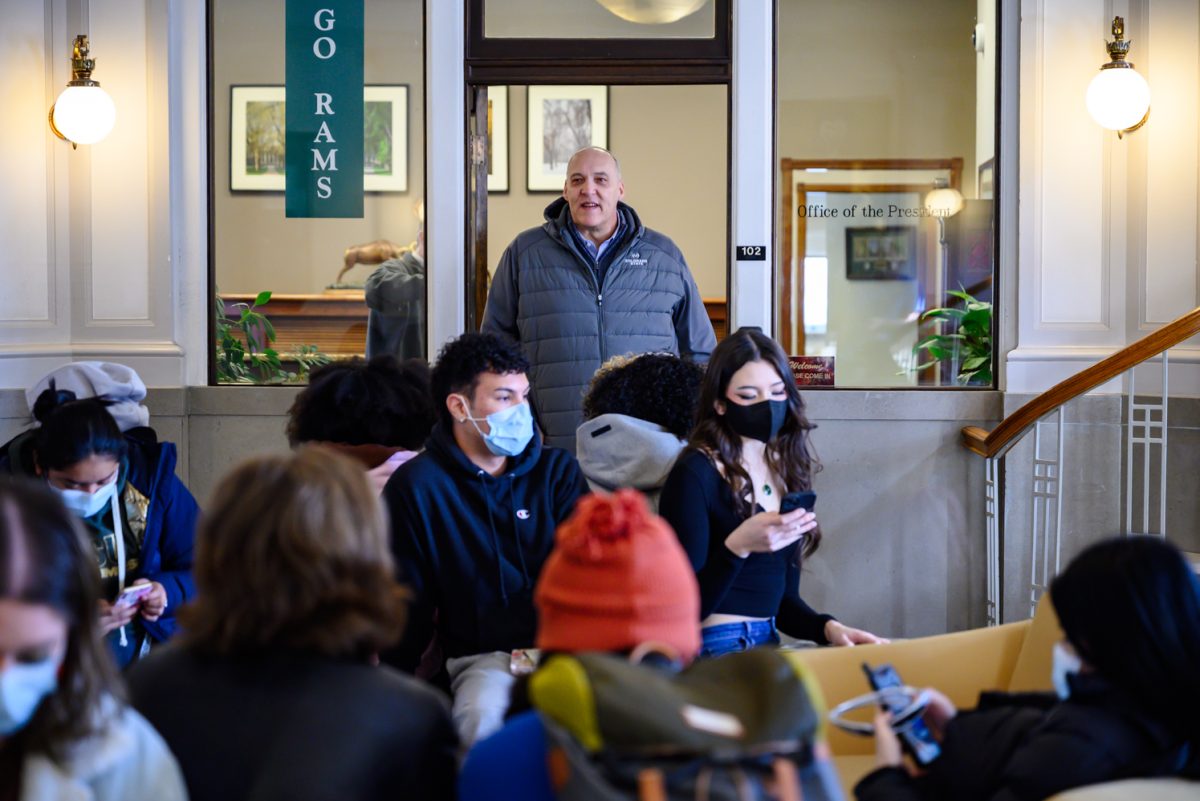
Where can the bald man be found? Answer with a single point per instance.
(590, 283)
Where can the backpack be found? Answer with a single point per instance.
(743, 727)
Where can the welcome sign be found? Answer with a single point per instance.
(324, 111)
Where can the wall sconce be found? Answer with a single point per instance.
(1119, 98)
(84, 113)
(652, 12)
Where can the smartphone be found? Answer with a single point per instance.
(797, 500)
(917, 739)
(132, 594)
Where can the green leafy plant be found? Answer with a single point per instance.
(249, 358)
(965, 339)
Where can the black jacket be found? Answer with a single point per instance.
(296, 727)
(1030, 747)
(471, 545)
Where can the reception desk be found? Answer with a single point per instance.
(336, 320)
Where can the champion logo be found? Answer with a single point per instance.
(522, 514)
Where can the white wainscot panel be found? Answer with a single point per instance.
(1071, 264)
(120, 199)
(1171, 181)
(25, 214)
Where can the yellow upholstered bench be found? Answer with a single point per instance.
(1015, 657)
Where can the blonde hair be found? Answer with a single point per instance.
(293, 553)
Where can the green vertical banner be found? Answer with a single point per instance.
(324, 151)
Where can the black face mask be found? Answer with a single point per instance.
(760, 421)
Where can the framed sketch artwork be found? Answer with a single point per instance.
(562, 120)
(256, 139)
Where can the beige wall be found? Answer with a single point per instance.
(672, 144)
(257, 247)
(872, 79)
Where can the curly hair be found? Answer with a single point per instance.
(353, 402)
(790, 455)
(46, 559)
(659, 388)
(461, 361)
(293, 554)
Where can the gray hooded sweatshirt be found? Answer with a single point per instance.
(617, 451)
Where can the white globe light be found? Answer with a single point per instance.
(84, 114)
(1118, 98)
(652, 12)
(944, 202)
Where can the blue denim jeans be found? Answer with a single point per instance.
(730, 638)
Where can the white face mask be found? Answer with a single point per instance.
(1065, 664)
(22, 689)
(87, 504)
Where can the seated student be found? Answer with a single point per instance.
(140, 516)
(617, 578)
(473, 521)
(376, 412)
(273, 691)
(64, 732)
(749, 448)
(638, 413)
(617, 582)
(1127, 680)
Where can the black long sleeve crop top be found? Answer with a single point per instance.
(699, 505)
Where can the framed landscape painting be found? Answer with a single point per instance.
(257, 136)
(562, 120)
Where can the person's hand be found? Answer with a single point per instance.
(887, 744)
(154, 603)
(839, 634)
(767, 532)
(113, 617)
(941, 711)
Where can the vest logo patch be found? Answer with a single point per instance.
(635, 260)
(522, 514)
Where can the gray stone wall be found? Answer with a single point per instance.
(900, 501)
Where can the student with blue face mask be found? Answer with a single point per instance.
(139, 515)
(473, 520)
(64, 732)
(1126, 677)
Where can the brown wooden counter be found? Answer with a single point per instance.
(336, 320)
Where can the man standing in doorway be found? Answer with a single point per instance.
(590, 283)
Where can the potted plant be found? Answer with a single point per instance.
(249, 358)
(965, 339)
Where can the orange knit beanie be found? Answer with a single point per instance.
(618, 577)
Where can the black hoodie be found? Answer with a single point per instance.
(471, 545)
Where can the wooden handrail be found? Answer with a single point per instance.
(991, 443)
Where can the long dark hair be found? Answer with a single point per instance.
(789, 455)
(1131, 609)
(72, 430)
(46, 560)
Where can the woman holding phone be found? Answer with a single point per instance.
(749, 450)
(65, 733)
(140, 517)
(1126, 679)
